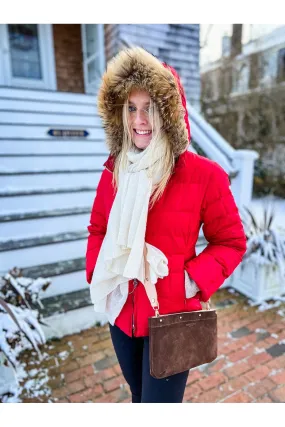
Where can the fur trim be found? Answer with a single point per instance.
(135, 67)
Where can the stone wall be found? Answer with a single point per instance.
(250, 120)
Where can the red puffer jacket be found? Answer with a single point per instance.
(197, 193)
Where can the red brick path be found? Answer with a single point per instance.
(250, 366)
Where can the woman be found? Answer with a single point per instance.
(152, 198)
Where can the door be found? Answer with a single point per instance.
(27, 56)
(93, 55)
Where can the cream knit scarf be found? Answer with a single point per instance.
(121, 255)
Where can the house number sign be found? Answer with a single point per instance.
(78, 133)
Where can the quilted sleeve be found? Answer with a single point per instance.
(224, 232)
(97, 228)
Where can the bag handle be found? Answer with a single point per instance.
(151, 289)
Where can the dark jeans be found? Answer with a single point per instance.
(133, 357)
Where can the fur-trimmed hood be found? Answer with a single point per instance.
(135, 67)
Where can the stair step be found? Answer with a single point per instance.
(41, 107)
(63, 147)
(52, 120)
(31, 228)
(65, 302)
(37, 164)
(43, 191)
(64, 248)
(13, 244)
(36, 256)
(47, 96)
(48, 181)
(55, 268)
(20, 155)
(33, 203)
(40, 131)
(43, 214)
(49, 172)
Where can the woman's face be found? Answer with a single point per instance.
(138, 118)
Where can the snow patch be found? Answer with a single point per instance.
(274, 335)
(260, 331)
(258, 350)
(281, 312)
(267, 306)
(64, 355)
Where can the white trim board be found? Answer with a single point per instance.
(47, 60)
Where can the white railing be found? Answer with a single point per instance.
(239, 164)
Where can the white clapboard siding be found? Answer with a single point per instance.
(31, 228)
(66, 283)
(33, 163)
(46, 107)
(20, 204)
(52, 147)
(47, 96)
(36, 132)
(44, 254)
(50, 120)
(48, 181)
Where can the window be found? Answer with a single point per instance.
(240, 77)
(267, 68)
(281, 65)
(25, 51)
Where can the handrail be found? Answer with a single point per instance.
(211, 142)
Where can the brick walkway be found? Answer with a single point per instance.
(250, 366)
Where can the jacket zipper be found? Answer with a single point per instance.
(133, 300)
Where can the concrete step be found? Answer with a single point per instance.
(33, 228)
(43, 214)
(13, 244)
(15, 131)
(37, 257)
(48, 180)
(53, 201)
(46, 96)
(48, 171)
(47, 107)
(55, 268)
(41, 192)
(49, 119)
(48, 164)
(59, 304)
(71, 281)
(54, 146)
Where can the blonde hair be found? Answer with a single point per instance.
(165, 164)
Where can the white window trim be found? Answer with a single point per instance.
(48, 61)
(237, 89)
(101, 55)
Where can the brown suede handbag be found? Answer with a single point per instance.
(179, 341)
